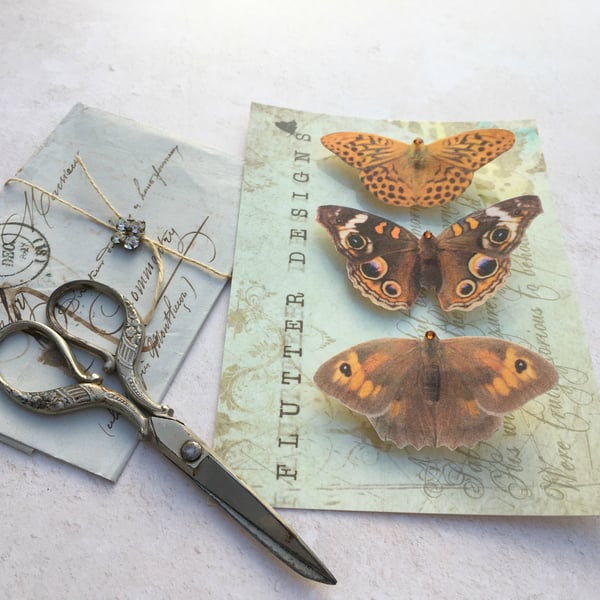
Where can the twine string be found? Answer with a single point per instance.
(155, 246)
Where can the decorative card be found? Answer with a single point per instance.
(298, 300)
(56, 227)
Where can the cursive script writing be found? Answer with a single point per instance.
(171, 309)
(442, 475)
(155, 176)
(67, 171)
(559, 477)
(551, 411)
(466, 472)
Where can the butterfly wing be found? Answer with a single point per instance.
(472, 149)
(400, 183)
(380, 379)
(382, 258)
(474, 253)
(363, 150)
(417, 174)
(482, 379)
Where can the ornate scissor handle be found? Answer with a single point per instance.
(86, 393)
(127, 356)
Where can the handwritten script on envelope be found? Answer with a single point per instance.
(292, 308)
(187, 195)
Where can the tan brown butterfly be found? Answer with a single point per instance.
(434, 392)
(467, 264)
(418, 174)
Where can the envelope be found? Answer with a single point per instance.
(101, 167)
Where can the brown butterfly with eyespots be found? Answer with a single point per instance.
(420, 174)
(466, 264)
(433, 392)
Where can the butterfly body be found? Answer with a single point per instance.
(465, 265)
(418, 151)
(434, 392)
(428, 264)
(422, 174)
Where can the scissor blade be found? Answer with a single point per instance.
(234, 496)
(260, 519)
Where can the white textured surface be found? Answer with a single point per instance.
(192, 68)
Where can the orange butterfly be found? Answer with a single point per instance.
(418, 174)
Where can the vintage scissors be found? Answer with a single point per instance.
(156, 423)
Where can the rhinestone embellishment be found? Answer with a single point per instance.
(129, 233)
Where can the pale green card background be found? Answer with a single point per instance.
(301, 449)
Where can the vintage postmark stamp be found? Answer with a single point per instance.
(25, 253)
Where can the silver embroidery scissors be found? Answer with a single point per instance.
(155, 423)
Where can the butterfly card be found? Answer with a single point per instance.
(403, 334)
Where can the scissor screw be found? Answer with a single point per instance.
(191, 451)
